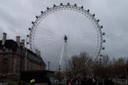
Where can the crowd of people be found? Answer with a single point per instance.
(84, 81)
(89, 81)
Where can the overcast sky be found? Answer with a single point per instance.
(16, 17)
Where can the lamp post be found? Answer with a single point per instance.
(26, 52)
(65, 53)
(4, 67)
(59, 74)
(48, 65)
(4, 59)
(101, 69)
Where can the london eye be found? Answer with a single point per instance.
(62, 31)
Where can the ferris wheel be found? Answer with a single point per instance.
(62, 31)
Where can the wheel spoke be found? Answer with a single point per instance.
(81, 31)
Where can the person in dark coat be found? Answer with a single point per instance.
(48, 81)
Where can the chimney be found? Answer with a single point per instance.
(4, 38)
(22, 42)
(37, 52)
(18, 40)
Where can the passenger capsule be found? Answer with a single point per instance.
(36, 16)
(101, 27)
(61, 4)
(104, 41)
(42, 12)
(29, 28)
(27, 35)
(88, 10)
(68, 3)
(98, 20)
(103, 48)
(75, 4)
(103, 33)
(54, 5)
(32, 22)
(47, 8)
(93, 15)
(82, 7)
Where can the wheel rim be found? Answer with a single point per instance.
(82, 29)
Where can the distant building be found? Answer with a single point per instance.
(15, 58)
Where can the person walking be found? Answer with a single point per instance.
(69, 82)
(32, 82)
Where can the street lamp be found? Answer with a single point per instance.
(48, 65)
(59, 74)
(3, 49)
(26, 52)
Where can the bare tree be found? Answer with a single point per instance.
(106, 67)
(102, 67)
(59, 75)
(79, 65)
(120, 67)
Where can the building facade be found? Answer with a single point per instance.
(15, 58)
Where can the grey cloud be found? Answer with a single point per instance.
(16, 17)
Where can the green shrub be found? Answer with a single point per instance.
(11, 83)
(21, 82)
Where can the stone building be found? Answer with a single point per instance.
(15, 58)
